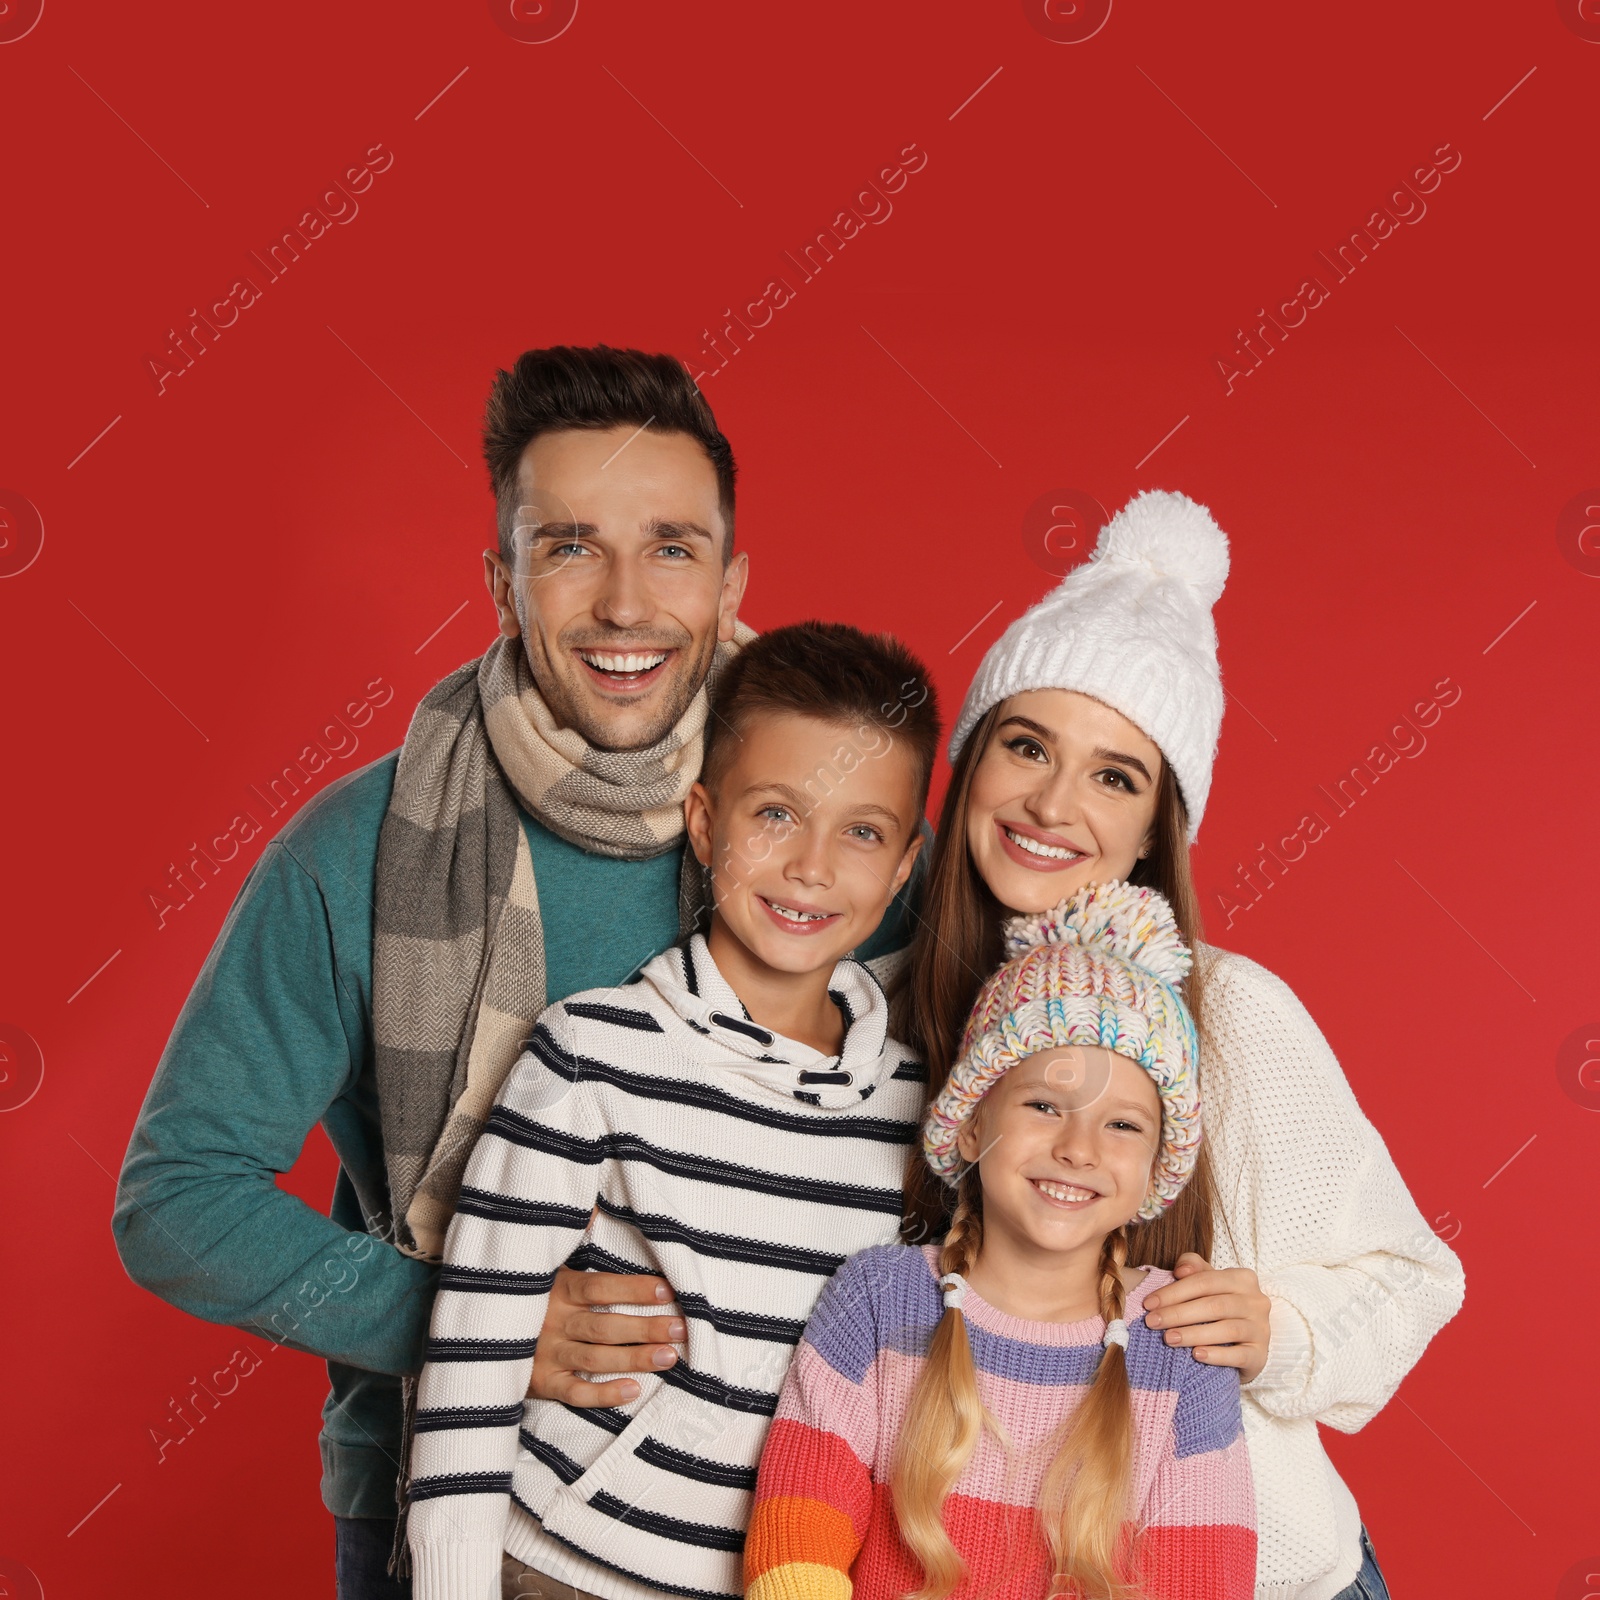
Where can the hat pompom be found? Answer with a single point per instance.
(1172, 534)
(1133, 923)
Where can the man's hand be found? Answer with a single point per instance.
(1221, 1313)
(575, 1339)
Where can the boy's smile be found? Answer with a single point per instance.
(810, 832)
(795, 917)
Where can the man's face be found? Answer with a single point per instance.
(619, 589)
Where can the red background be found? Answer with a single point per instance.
(301, 512)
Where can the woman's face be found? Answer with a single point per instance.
(1064, 795)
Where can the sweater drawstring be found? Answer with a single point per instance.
(400, 1553)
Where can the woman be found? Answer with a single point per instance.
(1083, 753)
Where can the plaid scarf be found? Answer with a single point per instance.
(458, 966)
(458, 972)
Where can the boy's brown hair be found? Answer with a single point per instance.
(835, 673)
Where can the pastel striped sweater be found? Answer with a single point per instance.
(824, 1526)
(650, 1128)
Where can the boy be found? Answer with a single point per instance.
(735, 1119)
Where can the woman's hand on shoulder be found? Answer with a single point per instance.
(1220, 1313)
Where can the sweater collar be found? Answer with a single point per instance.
(687, 978)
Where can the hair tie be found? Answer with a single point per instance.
(955, 1290)
(1116, 1333)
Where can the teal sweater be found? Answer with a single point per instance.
(276, 1036)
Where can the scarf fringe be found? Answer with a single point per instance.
(400, 1552)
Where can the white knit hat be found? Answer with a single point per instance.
(1131, 627)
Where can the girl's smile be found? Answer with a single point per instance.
(1073, 1196)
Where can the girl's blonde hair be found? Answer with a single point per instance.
(1083, 1499)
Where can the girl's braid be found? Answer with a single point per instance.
(965, 1236)
(1113, 1257)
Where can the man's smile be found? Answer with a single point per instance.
(624, 671)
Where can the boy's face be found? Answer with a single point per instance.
(812, 829)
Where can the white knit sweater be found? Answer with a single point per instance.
(1309, 1198)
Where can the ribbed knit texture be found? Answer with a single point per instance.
(824, 1518)
(741, 1166)
(1132, 627)
(1309, 1197)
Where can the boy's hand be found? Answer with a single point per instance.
(1221, 1312)
(575, 1339)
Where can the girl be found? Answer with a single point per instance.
(1084, 752)
(997, 1444)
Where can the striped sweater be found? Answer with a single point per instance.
(824, 1525)
(651, 1128)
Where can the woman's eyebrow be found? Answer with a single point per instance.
(1103, 754)
(1032, 727)
(1099, 753)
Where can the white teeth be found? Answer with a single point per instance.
(1064, 1191)
(1049, 851)
(798, 916)
(628, 663)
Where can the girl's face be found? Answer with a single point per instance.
(1064, 1144)
(1064, 795)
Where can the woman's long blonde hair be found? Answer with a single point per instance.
(1083, 1498)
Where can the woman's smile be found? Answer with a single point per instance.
(1037, 850)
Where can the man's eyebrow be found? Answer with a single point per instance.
(669, 528)
(655, 528)
(1099, 753)
(554, 529)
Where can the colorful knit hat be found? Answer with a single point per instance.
(1102, 968)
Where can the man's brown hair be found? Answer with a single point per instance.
(835, 673)
(568, 386)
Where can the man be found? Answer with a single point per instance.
(393, 946)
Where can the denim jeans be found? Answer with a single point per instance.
(1369, 1584)
(361, 1560)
